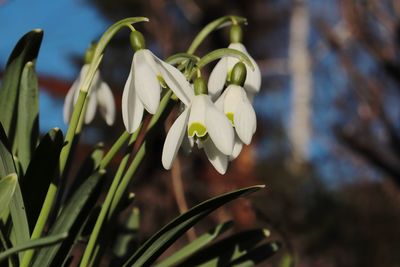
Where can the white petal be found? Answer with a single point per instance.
(91, 107)
(219, 128)
(176, 81)
(245, 121)
(151, 60)
(106, 103)
(197, 114)
(253, 78)
(174, 139)
(69, 102)
(217, 159)
(220, 101)
(132, 107)
(146, 82)
(234, 95)
(237, 148)
(217, 78)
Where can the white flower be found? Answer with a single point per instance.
(99, 94)
(238, 109)
(202, 122)
(142, 88)
(224, 66)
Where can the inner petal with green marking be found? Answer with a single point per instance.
(197, 129)
(230, 116)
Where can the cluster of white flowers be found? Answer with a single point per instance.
(218, 118)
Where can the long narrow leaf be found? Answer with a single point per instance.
(28, 115)
(20, 232)
(7, 188)
(25, 50)
(227, 249)
(40, 173)
(256, 255)
(195, 245)
(69, 217)
(159, 242)
(32, 244)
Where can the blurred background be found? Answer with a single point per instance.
(328, 139)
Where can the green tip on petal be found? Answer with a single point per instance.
(137, 40)
(230, 116)
(198, 129)
(236, 34)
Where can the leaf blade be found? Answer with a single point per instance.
(153, 248)
(26, 49)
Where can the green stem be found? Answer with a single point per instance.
(219, 53)
(212, 26)
(138, 157)
(86, 259)
(114, 149)
(114, 194)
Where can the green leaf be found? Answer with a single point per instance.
(222, 252)
(256, 255)
(7, 165)
(195, 245)
(127, 239)
(28, 115)
(159, 242)
(7, 188)
(73, 215)
(25, 50)
(20, 232)
(212, 26)
(32, 244)
(42, 170)
(91, 163)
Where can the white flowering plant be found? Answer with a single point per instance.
(43, 222)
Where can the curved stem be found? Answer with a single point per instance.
(219, 53)
(212, 26)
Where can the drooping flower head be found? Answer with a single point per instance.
(222, 70)
(237, 107)
(202, 123)
(99, 95)
(143, 87)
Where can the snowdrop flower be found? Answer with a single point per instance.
(99, 95)
(202, 123)
(235, 104)
(221, 72)
(143, 86)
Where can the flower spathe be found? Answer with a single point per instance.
(142, 88)
(203, 123)
(99, 95)
(224, 66)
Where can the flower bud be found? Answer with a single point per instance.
(238, 74)
(137, 40)
(200, 87)
(236, 34)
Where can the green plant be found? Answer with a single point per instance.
(38, 230)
